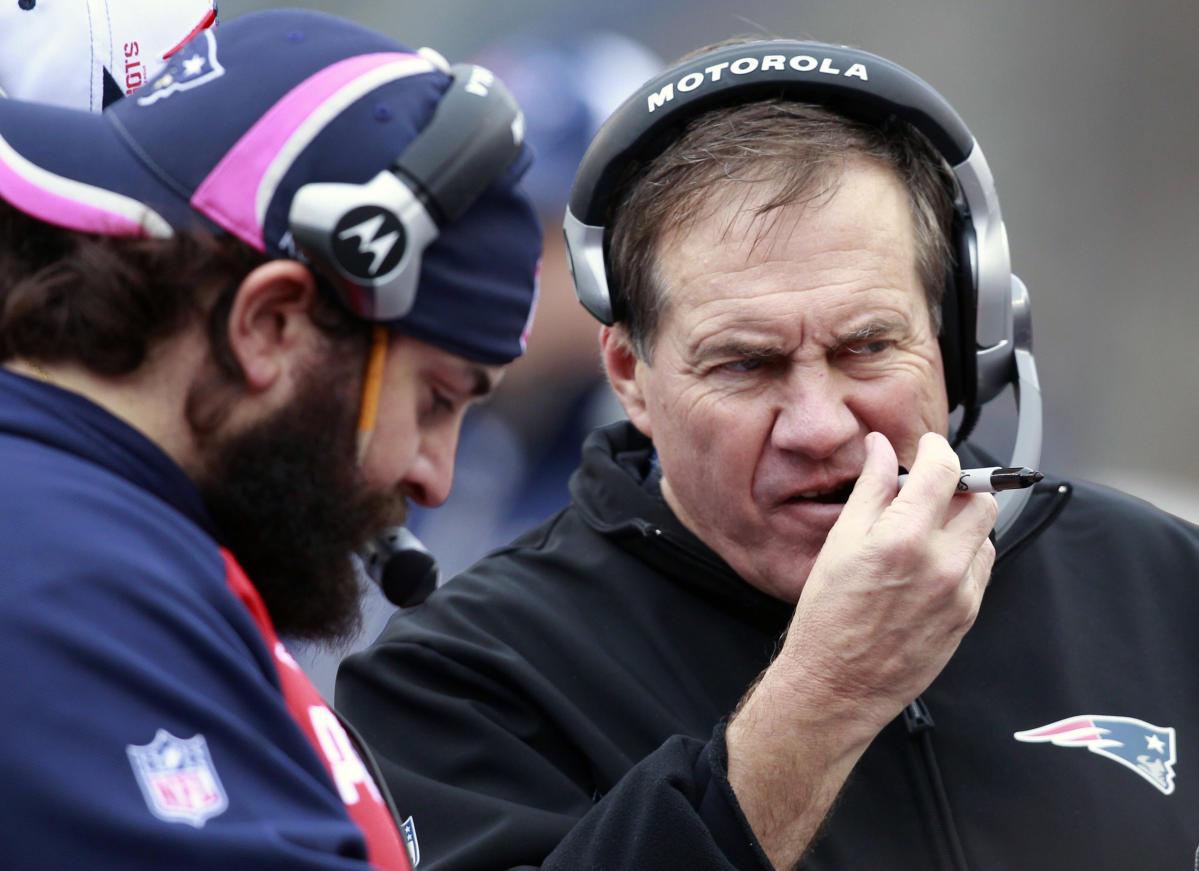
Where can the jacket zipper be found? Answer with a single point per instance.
(919, 722)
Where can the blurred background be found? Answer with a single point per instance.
(1088, 115)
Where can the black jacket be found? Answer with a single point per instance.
(561, 703)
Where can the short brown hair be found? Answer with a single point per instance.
(801, 150)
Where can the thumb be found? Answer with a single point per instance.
(876, 485)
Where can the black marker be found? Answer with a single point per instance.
(993, 479)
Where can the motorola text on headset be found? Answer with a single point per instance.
(986, 333)
(366, 242)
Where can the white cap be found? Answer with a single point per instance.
(74, 53)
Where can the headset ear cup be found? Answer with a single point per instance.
(959, 312)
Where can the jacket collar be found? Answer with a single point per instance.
(615, 490)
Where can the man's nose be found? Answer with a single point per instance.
(431, 474)
(813, 415)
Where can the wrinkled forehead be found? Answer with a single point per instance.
(752, 200)
(756, 212)
(750, 241)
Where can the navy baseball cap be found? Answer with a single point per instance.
(242, 117)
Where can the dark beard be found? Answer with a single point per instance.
(289, 502)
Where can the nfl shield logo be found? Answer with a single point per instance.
(408, 830)
(177, 778)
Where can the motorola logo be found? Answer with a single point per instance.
(750, 65)
(368, 242)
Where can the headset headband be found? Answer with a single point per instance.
(858, 85)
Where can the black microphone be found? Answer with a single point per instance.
(403, 568)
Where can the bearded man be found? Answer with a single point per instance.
(243, 313)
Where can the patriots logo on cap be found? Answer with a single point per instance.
(193, 65)
(178, 779)
(1139, 746)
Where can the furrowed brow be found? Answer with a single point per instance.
(744, 349)
(870, 331)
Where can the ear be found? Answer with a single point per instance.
(622, 364)
(270, 327)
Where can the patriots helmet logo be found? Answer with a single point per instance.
(194, 64)
(1139, 746)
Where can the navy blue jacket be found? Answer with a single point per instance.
(146, 725)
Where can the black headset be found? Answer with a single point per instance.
(986, 334)
(368, 238)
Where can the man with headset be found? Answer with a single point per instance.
(742, 645)
(243, 312)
